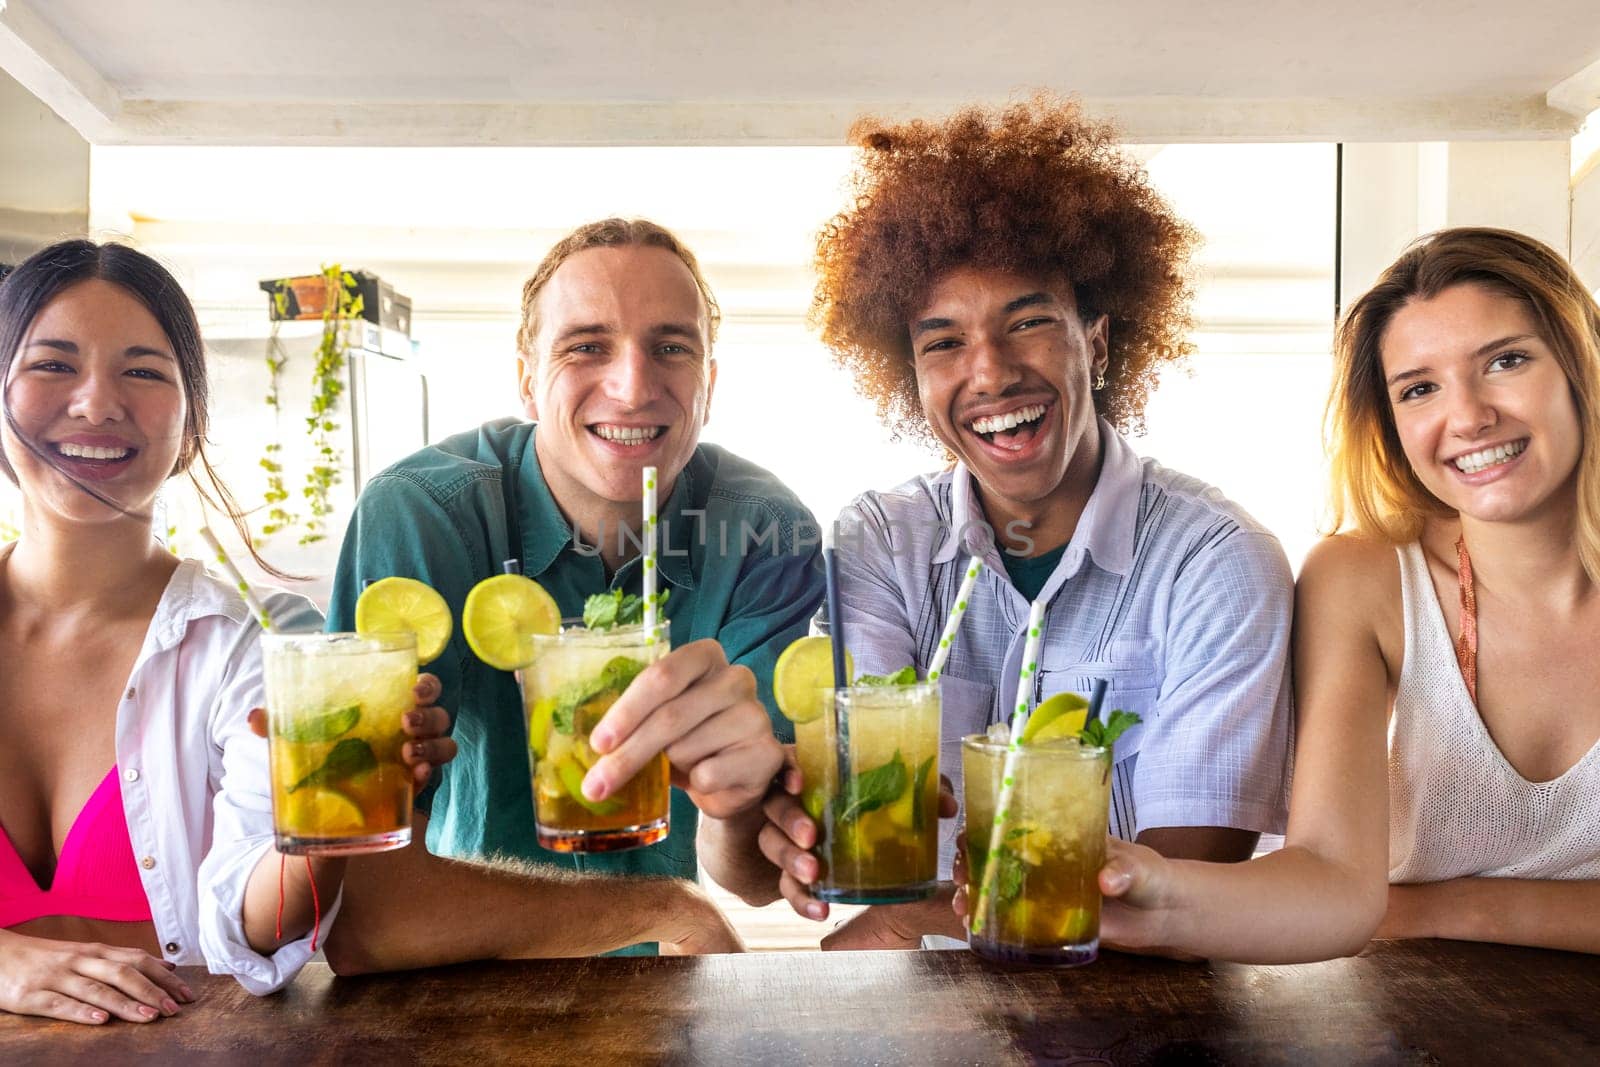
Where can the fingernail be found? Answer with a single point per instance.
(600, 740)
(594, 788)
(147, 1011)
(170, 1006)
(1117, 880)
(413, 718)
(816, 911)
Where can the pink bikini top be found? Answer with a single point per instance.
(96, 876)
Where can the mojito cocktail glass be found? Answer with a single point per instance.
(1043, 905)
(879, 827)
(574, 678)
(334, 709)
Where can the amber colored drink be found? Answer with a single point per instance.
(574, 679)
(1043, 905)
(334, 708)
(879, 841)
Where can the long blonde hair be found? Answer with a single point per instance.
(1372, 483)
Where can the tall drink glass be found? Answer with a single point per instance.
(1043, 906)
(880, 826)
(575, 677)
(334, 708)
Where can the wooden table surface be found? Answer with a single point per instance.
(1399, 1002)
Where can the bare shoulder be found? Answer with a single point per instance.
(1353, 568)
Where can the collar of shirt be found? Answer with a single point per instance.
(546, 532)
(1105, 529)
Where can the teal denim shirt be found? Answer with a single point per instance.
(739, 553)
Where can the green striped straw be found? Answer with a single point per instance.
(957, 613)
(1008, 772)
(250, 598)
(649, 555)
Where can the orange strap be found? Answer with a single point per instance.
(1467, 643)
(316, 904)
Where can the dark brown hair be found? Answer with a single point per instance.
(45, 275)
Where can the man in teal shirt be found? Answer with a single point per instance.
(616, 374)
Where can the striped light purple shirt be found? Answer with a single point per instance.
(1167, 589)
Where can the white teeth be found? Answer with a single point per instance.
(999, 423)
(1488, 457)
(91, 451)
(628, 435)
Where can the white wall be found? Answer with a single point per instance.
(44, 175)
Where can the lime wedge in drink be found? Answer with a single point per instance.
(803, 670)
(324, 811)
(1060, 716)
(405, 605)
(501, 613)
(572, 773)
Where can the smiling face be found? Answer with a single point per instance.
(1483, 410)
(95, 385)
(620, 377)
(1003, 366)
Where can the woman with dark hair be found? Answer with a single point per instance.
(1447, 686)
(125, 751)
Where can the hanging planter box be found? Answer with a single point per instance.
(306, 297)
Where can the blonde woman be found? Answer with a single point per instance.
(1447, 779)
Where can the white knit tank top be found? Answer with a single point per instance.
(1457, 809)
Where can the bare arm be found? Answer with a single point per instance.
(730, 855)
(1323, 894)
(410, 909)
(1509, 911)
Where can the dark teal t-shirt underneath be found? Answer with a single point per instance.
(1029, 575)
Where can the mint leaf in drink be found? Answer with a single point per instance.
(919, 817)
(1010, 875)
(872, 789)
(903, 676)
(314, 729)
(600, 610)
(1098, 733)
(615, 677)
(619, 673)
(349, 757)
(603, 611)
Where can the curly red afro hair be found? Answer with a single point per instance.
(1032, 188)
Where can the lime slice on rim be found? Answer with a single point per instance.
(800, 675)
(1060, 716)
(318, 810)
(499, 616)
(405, 605)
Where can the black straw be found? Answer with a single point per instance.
(1097, 696)
(830, 576)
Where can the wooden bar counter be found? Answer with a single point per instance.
(1399, 1002)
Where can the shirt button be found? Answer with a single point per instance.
(131, 774)
(172, 948)
(130, 693)
(148, 863)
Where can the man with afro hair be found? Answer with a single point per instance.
(1006, 285)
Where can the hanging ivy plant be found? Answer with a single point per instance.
(342, 305)
(279, 517)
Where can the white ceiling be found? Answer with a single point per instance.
(541, 72)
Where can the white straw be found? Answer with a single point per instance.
(649, 555)
(957, 613)
(243, 586)
(1008, 772)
